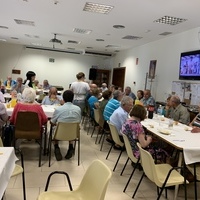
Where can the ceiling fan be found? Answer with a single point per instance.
(55, 40)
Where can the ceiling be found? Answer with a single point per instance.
(61, 17)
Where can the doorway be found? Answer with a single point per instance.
(119, 77)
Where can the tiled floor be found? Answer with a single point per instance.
(36, 176)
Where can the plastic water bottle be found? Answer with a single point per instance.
(160, 110)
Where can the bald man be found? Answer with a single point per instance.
(179, 112)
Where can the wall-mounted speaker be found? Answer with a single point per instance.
(92, 74)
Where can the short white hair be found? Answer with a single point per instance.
(29, 95)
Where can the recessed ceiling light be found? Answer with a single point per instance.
(165, 33)
(89, 47)
(112, 46)
(5, 27)
(170, 20)
(119, 26)
(82, 31)
(132, 37)
(73, 42)
(100, 40)
(97, 8)
(24, 22)
(14, 38)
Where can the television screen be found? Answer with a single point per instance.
(190, 65)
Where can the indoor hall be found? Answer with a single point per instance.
(36, 176)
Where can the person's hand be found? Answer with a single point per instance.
(195, 130)
(149, 139)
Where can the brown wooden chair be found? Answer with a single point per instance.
(28, 127)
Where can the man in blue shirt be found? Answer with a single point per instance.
(148, 99)
(129, 93)
(66, 113)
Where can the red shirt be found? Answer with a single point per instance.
(29, 107)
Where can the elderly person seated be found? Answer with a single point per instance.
(148, 100)
(179, 113)
(19, 87)
(92, 101)
(29, 104)
(46, 85)
(9, 83)
(52, 98)
(2, 99)
(3, 117)
(129, 93)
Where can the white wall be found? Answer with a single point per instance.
(167, 53)
(62, 72)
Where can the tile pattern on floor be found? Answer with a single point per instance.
(36, 176)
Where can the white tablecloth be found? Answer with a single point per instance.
(7, 165)
(178, 137)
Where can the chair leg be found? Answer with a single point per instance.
(109, 151)
(124, 166)
(40, 156)
(79, 151)
(23, 176)
(135, 167)
(49, 145)
(118, 160)
(138, 185)
(103, 138)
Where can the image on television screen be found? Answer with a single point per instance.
(190, 65)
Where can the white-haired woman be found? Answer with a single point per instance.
(29, 104)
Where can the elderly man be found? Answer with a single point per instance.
(112, 104)
(19, 87)
(129, 93)
(120, 115)
(104, 87)
(66, 113)
(148, 99)
(179, 113)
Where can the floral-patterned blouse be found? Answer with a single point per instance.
(132, 128)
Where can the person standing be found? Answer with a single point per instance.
(66, 113)
(80, 88)
(30, 77)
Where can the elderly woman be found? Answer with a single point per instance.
(52, 98)
(29, 104)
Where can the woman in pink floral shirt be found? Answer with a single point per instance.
(134, 130)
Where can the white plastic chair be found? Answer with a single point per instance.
(131, 157)
(92, 187)
(116, 139)
(163, 175)
(65, 131)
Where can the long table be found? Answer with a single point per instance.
(179, 136)
(48, 110)
(7, 165)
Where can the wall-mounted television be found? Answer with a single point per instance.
(189, 68)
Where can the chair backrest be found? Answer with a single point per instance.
(115, 134)
(1, 143)
(148, 164)
(95, 181)
(129, 150)
(27, 125)
(98, 116)
(67, 131)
